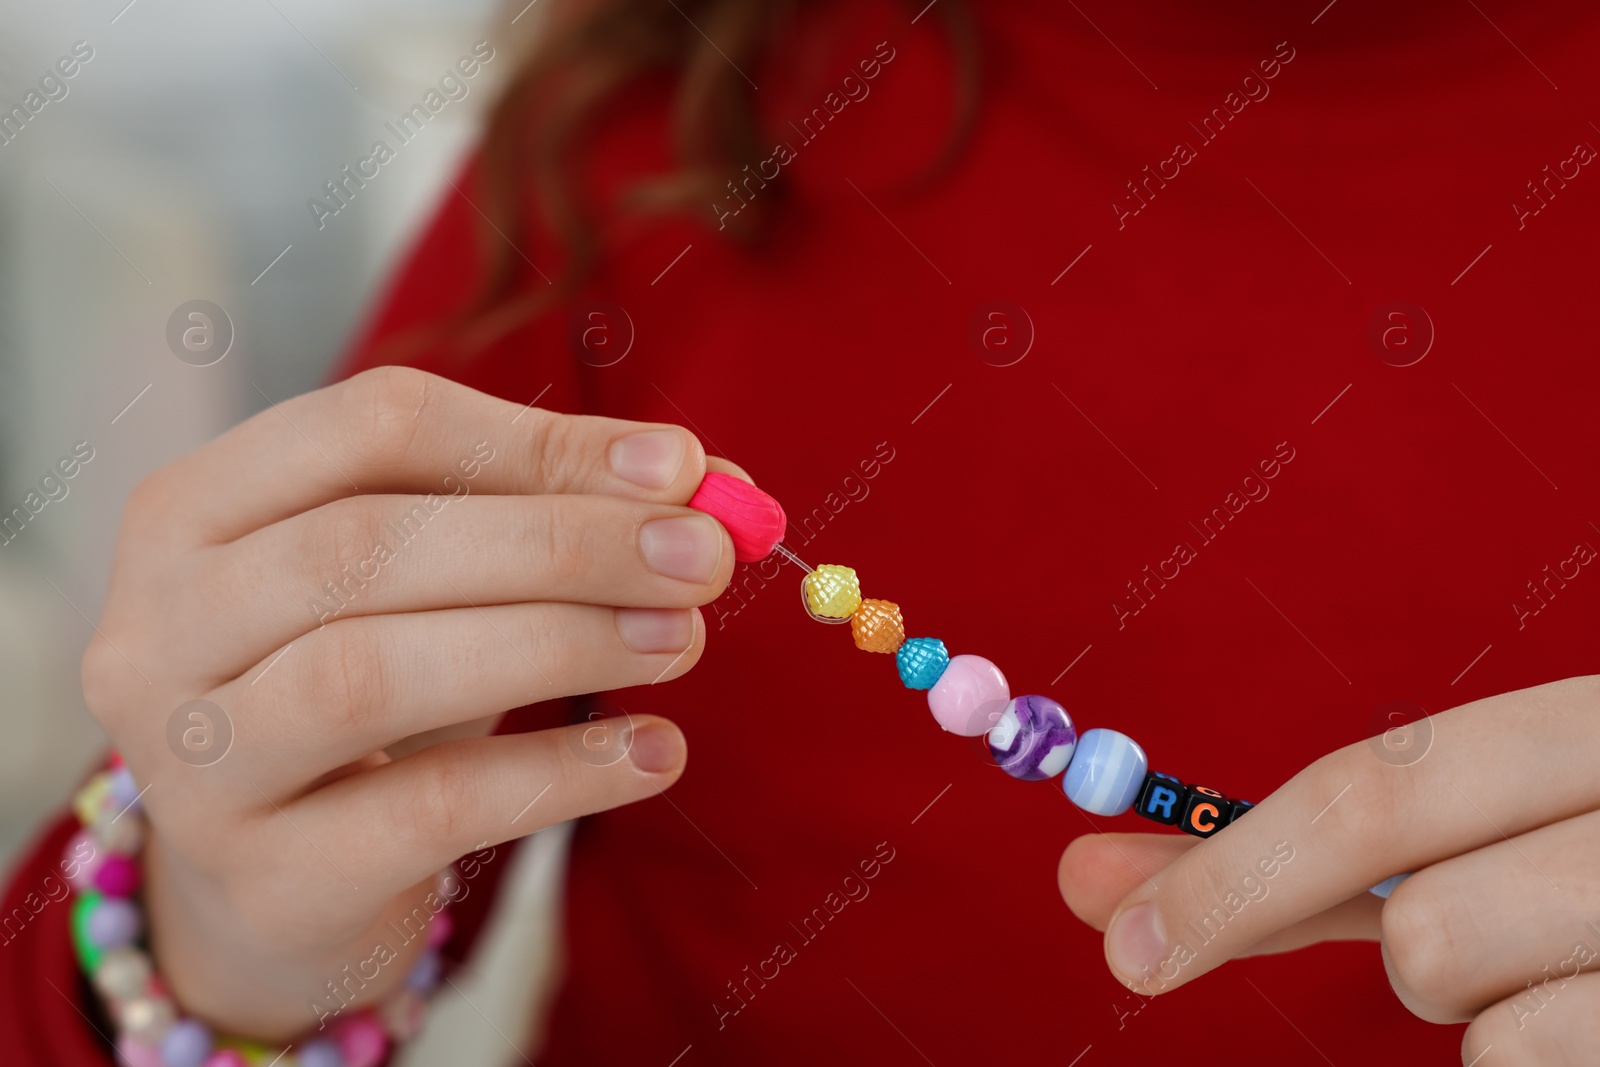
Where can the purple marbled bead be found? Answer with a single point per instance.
(1034, 739)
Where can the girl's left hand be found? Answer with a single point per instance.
(1499, 924)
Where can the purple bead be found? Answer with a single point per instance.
(187, 1044)
(424, 976)
(320, 1053)
(124, 790)
(1034, 739)
(114, 922)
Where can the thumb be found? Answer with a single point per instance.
(1098, 870)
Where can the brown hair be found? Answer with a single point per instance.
(589, 50)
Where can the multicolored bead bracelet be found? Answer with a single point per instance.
(101, 864)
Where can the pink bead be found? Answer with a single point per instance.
(440, 929)
(362, 1041)
(970, 696)
(753, 519)
(81, 845)
(118, 876)
(225, 1057)
(134, 1053)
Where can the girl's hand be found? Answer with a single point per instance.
(361, 580)
(1499, 821)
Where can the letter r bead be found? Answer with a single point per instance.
(1161, 799)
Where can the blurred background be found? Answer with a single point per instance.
(176, 165)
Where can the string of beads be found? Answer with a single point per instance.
(1032, 738)
(1104, 772)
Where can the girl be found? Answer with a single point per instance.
(1104, 343)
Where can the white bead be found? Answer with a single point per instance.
(123, 973)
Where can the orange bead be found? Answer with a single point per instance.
(877, 626)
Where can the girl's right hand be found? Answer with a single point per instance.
(484, 556)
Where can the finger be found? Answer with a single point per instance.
(1351, 820)
(1358, 919)
(371, 555)
(1098, 870)
(723, 466)
(360, 685)
(1550, 1024)
(1473, 930)
(399, 430)
(402, 821)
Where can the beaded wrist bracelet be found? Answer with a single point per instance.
(101, 864)
(1031, 738)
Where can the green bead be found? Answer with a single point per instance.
(88, 952)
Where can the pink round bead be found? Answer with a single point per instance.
(132, 1052)
(362, 1041)
(118, 876)
(440, 929)
(226, 1057)
(970, 696)
(82, 844)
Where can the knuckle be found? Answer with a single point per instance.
(1370, 792)
(560, 541)
(1429, 938)
(382, 410)
(556, 452)
(104, 677)
(150, 494)
(1499, 1028)
(440, 806)
(345, 677)
(338, 535)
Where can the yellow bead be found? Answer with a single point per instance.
(91, 800)
(832, 591)
(877, 626)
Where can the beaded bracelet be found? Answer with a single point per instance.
(1032, 738)
(101, 864)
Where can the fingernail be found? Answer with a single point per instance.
(688, 548)
(655, 629)
(650, 459)
(1136, 944)
(657, 747)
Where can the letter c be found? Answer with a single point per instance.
(1194, 818)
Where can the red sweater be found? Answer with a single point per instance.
(1204, 216)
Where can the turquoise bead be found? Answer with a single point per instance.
(921, 661)
(1106, 773)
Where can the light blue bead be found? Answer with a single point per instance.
(1388, 885)
(921, 661)
(1106, 772)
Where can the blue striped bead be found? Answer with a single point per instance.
(921, 660)
(1106, 772)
